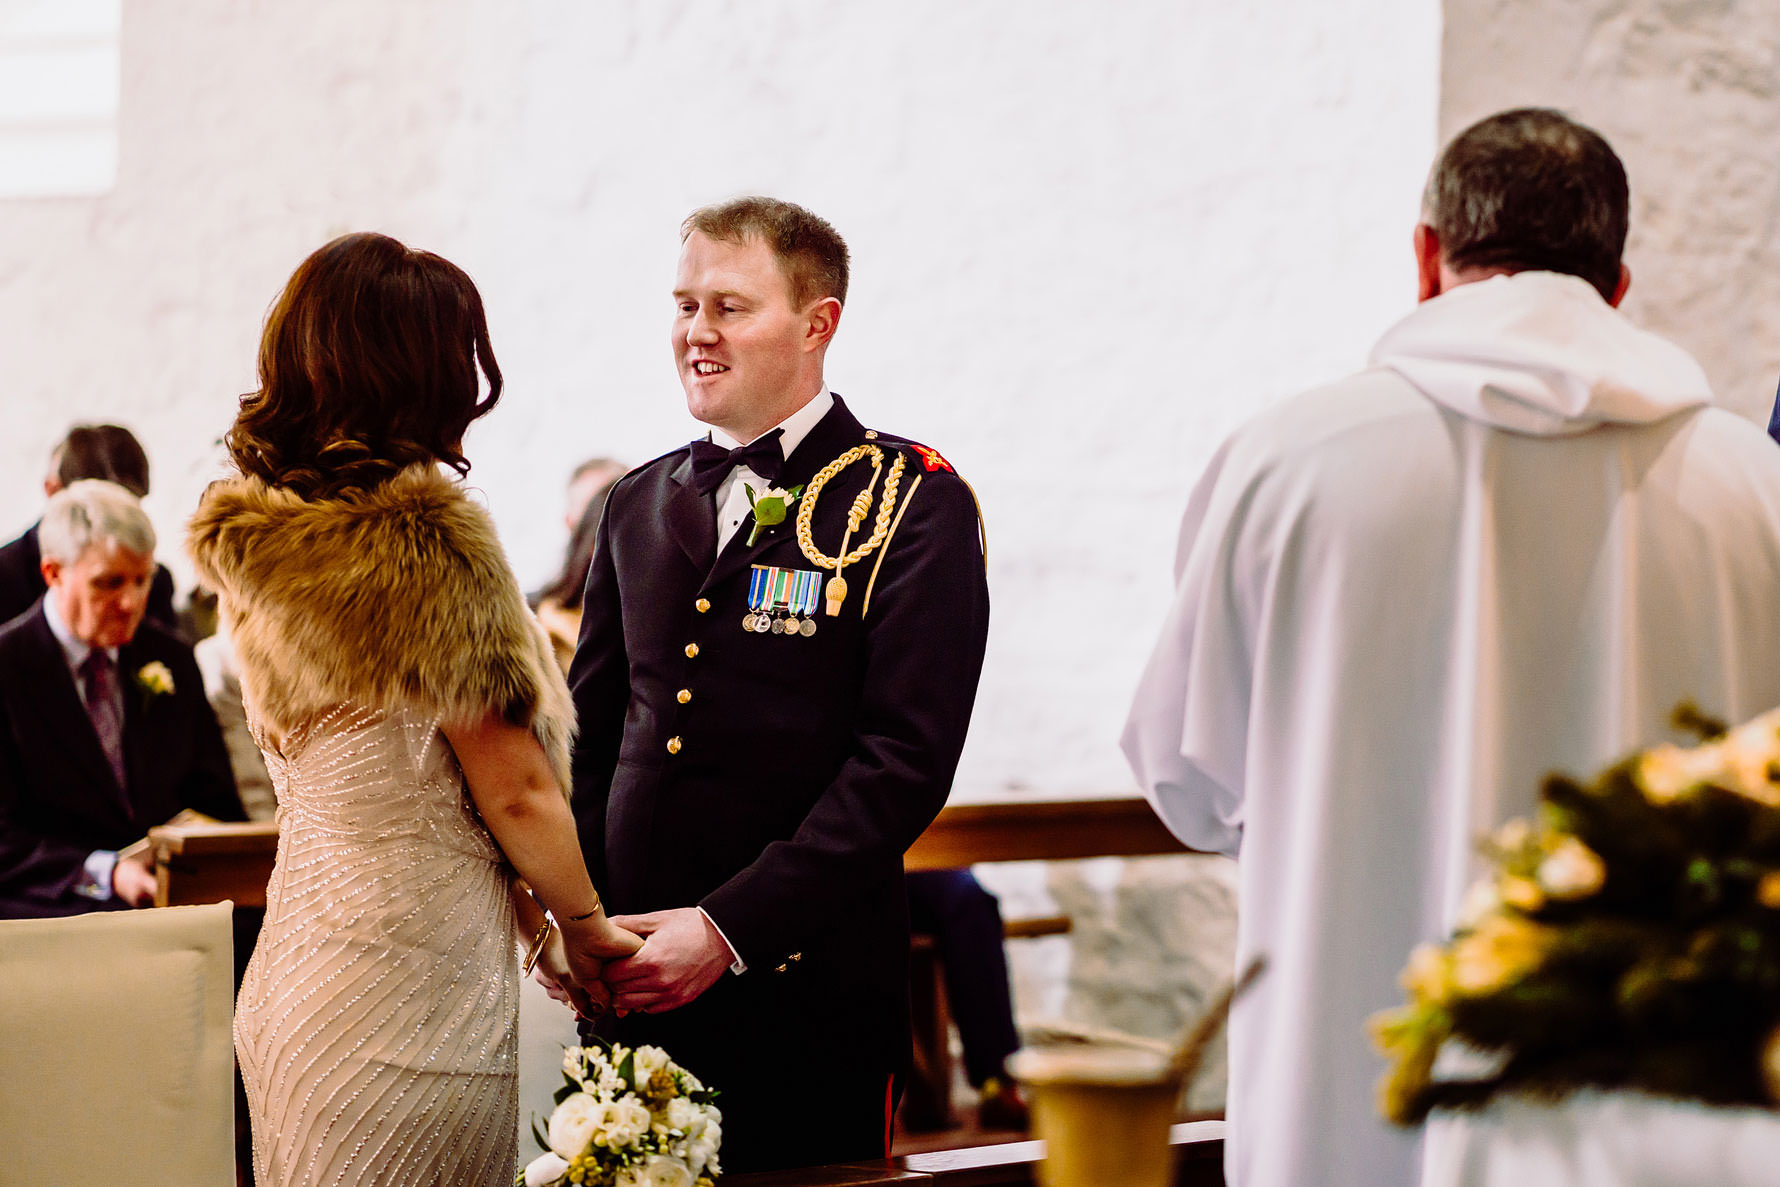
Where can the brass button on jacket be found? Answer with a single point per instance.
(674, 745)
(684, 695)
(692, 651)
(702, 605)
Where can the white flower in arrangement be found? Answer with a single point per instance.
(682, 1115)
(155, 679)
(1572, 870)
(576, 1120)
(545, 1170)
(659, 1171)
(648, 1061)
(626, 1120)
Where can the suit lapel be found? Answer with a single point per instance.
(691, 517)
(834, 434)
(67, 714)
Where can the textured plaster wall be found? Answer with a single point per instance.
(1087, 242)
(1688, 92)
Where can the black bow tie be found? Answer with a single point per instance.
(711, 463)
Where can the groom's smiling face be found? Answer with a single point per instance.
(741, 346)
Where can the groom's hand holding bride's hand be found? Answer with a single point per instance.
(586, 946)
(683, 955)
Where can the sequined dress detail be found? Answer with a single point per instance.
(377, 1022)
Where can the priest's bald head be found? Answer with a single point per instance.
(1523, 191)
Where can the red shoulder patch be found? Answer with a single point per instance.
(931, 458)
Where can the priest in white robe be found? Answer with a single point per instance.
(1510, 546)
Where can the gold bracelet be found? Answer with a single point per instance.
(537, 949)
(590, 912)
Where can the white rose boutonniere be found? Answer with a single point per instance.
(770, 507)
(154, 680)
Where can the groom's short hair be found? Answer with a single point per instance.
(810, 251)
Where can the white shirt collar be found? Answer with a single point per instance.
(74, 649)
(793, 429)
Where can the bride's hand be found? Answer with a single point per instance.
(553, 973)
(588, 945)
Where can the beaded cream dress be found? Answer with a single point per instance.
(376, 1025)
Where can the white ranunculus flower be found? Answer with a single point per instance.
(546, 1170)
(662, 1171)
(682, 1114)
(574, 1123)
(625, 1121)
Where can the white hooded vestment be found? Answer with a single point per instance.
(1512, 546)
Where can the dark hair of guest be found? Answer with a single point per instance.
(368, 365)
(565, 588)
(107, 452)
(1531, 190)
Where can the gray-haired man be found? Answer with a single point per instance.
(104, 728)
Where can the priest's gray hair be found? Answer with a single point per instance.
(91, 512)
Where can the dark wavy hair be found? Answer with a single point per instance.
(368, 365)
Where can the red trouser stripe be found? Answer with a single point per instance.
(889, 1111)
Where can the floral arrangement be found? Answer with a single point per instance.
(627, 1117)
(1627, 938)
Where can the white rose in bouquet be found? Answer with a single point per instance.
(684, 1116)
(625, 1121)
(658, 1171)
(545, 1170)
(574, 1123)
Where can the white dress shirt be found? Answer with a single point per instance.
(732, 501)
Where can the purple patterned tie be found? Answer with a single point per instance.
(106, 707)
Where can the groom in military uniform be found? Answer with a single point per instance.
(783, 630)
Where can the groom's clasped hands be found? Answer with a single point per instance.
(634, 963)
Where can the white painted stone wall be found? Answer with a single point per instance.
(1688, 93)
(1088, 241)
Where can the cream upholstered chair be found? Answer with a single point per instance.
(117, 1064)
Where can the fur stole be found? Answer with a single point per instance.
(396, 598)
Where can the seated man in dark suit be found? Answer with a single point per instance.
(110, 452)
(104, 726)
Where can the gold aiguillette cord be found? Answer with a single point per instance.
(865, 607)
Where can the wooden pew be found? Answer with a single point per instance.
(204, 863)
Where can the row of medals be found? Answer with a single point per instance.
(770, 589)
(763, 623)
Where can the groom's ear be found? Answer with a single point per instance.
(823, 318)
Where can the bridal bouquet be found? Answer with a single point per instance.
(627, 1117)
(1628, 937)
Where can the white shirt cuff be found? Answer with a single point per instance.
(736, 965)
(95, 879)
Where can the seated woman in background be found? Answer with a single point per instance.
(559, 603)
